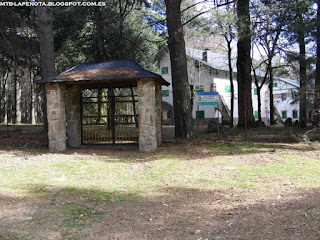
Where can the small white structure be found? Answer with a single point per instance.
(209, 72)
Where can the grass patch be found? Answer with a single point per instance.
(162, 169)
(75, 216)
(227, 148)
(304, 172)
(6, 235)
(236, 148)
(71, 192)
(126, 158)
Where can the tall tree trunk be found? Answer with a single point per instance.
(3, 96)
(231, 80)
(18, 96)
(317, 80)
(303, 84)
(111, 93)
(32, 96)
(180, 84)
(6, 105)
(32, 102)
(258, 88)
(1, 101)
(134, 108)
(259, 103)
(15, 83)
(303, 72)
(244, 64)
(33, 111)
(272, 112)
(100, 98)
(271, 52)
(46, 52)
(100, 56)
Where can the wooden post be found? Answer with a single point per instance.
(113, 120)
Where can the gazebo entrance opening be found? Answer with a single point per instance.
(110, 115)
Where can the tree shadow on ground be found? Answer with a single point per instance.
(194, 214)
(49, 212)
(53, 212)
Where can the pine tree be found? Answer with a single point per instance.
(245, 111)
(180, 83)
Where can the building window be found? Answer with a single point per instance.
(205, 56)
(200, 114)
(294, 95)
(294, 114)
(275, 84)
(199, 88)
(213, 87)
(227, 88)
(284, 114)
(164, 70)
(256, 115)
(283, 96)
(168, 115)
(165, 93)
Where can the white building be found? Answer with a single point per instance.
(284, 93)
(209, 72)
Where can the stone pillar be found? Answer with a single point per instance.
(158, 114)
(147, 115)
(73, 111)
(56, 117)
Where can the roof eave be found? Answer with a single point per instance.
(120, 82)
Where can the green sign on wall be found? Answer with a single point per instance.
(165, 93)
(164, 70)
(227, 88)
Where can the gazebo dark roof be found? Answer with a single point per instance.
(122, 73)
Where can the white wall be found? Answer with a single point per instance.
(285, 105)
(165, 62)
(204, 76)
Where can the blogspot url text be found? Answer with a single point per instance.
(52, 4)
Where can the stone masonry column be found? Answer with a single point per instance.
(147, 115)
(158, 113)
(56, 117)
(73, 111)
